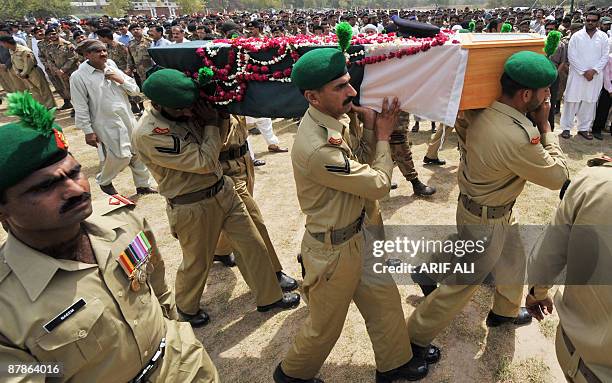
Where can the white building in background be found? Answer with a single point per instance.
(153, 8)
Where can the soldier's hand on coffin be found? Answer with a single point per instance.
(387, 119)
(205, 114)
(366, 115)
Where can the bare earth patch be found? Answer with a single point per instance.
(246, 345)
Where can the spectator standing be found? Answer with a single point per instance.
(587, 55)
(100, 97)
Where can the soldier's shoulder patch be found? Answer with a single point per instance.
(345, 169)
(533, 134)
(334, 137)
(160, 130)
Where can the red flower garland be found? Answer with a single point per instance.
(239, 71)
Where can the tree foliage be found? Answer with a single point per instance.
(117, 8)
(18, 9)
(191, 6)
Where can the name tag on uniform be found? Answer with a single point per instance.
(64, 315)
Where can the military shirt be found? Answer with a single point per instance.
(119, 54)
(332, 186)
(139, 60)
(501, 150)
(23, 60)
(237, 133)
(59, 55)
(117, 331)
(181, 157)
(579, 238)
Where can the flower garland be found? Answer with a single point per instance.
(231, 79)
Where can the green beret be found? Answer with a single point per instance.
(317, 67)
(32, 143)
(171, 88)
(530, 69)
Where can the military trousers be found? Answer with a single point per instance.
(185, 359)
(402, 154)
(242, 172)
(335, 276)
(568, 361)
(503, 258)
(10, 82)
(438, 140)
(37, 84)
(197, 227)
(62, 85)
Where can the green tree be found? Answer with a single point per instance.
(191, 6)
(117, 8)
(17, 9)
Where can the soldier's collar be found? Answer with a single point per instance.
(512, 113)
(33, 268)
(327, 121)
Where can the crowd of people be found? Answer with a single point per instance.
(65, 300)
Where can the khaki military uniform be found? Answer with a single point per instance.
(184, 160)
(333, 188)
(242, 172)
(139, 60)
(117, 331)
(24, 65)
(119, 54)
(579, 238)
(438, 140)
(56, 56)
(500, 151)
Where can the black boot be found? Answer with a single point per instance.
(416, 127)
(286, 282)
(227, 260)
(280, 377)
(433, 127)
(67, 105)
(421, 189)
(288, 301)
(433, 161)
(415, 369)
(431, 354)
(109, 189)
(523, 318)
(198, 319)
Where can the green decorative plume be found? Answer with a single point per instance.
(205, 75)
(31, 113)
(344, 32)
(506, 28)
(552, 42)
(472, 26)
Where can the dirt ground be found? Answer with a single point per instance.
(246, 345)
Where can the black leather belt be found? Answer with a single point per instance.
(198, 195)
(589, 376)
(233, 153)
(342, 235)
(150, 368)
(492, 211)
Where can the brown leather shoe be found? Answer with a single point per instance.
(277, 149)
(586, 135)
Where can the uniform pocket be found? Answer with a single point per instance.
(80, 339)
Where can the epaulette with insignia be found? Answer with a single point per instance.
(334, 137)
(533, 133)
(112, 202)
(600, 161)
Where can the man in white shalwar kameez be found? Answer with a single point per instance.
(587, 55)
(100, 93)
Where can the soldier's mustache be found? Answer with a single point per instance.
(74, 201)
(348, 101)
